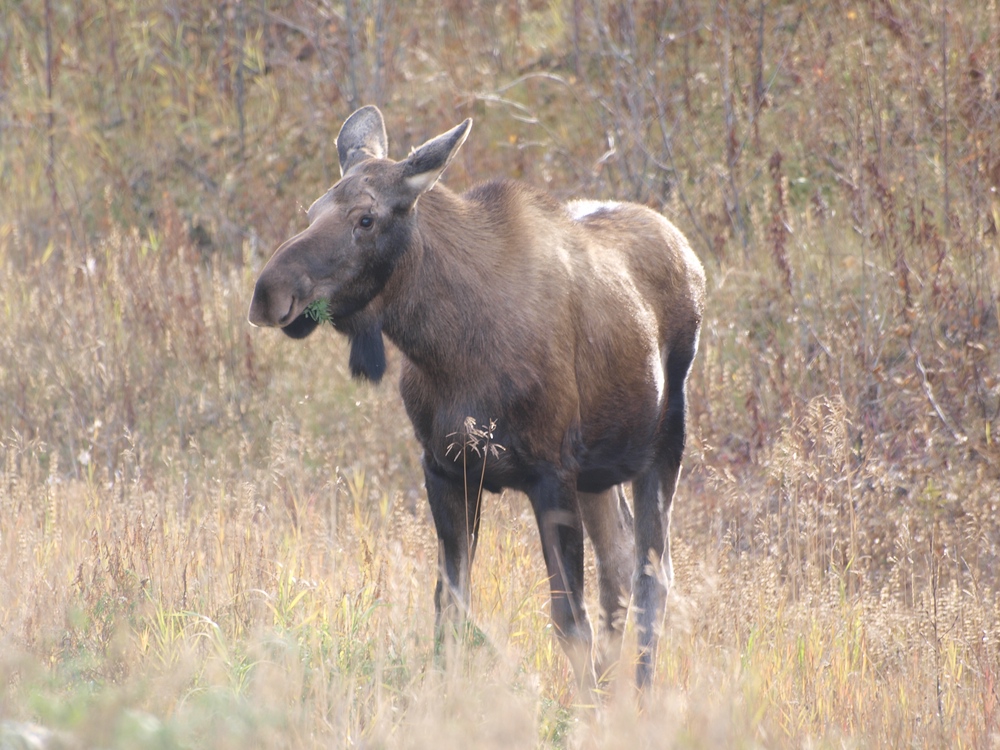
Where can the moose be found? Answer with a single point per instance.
(570, 328)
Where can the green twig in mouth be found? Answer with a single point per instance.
(319, 310)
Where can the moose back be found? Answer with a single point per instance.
(570, 327)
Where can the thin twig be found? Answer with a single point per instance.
(50, 166)
(944, 87)
(959, 437)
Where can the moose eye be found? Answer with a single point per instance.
(366, 221)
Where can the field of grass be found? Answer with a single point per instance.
(211, 537)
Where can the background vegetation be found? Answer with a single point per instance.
(211, 537)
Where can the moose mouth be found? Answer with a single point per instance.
(307, 322)
(300, 327)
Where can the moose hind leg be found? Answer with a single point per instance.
(557, 513)
(653, 494)
(456, 519)
(608, 522)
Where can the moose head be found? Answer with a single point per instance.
(357, 232)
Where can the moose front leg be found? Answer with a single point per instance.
(557, 512)
(456, 518)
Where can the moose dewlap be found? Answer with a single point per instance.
(571, 327)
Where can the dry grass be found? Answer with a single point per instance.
(211, 537)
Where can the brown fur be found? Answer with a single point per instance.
(574, 335)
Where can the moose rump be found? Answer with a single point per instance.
(568, 327)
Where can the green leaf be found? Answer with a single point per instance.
(319, 310)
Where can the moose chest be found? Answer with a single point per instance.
(501, 431)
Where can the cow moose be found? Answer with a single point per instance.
(572, 327)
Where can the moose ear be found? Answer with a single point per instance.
(362, 136)
(424, 165)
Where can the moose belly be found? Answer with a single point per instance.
(513, 442)
(601, 465)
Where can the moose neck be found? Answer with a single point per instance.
(441, 278)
